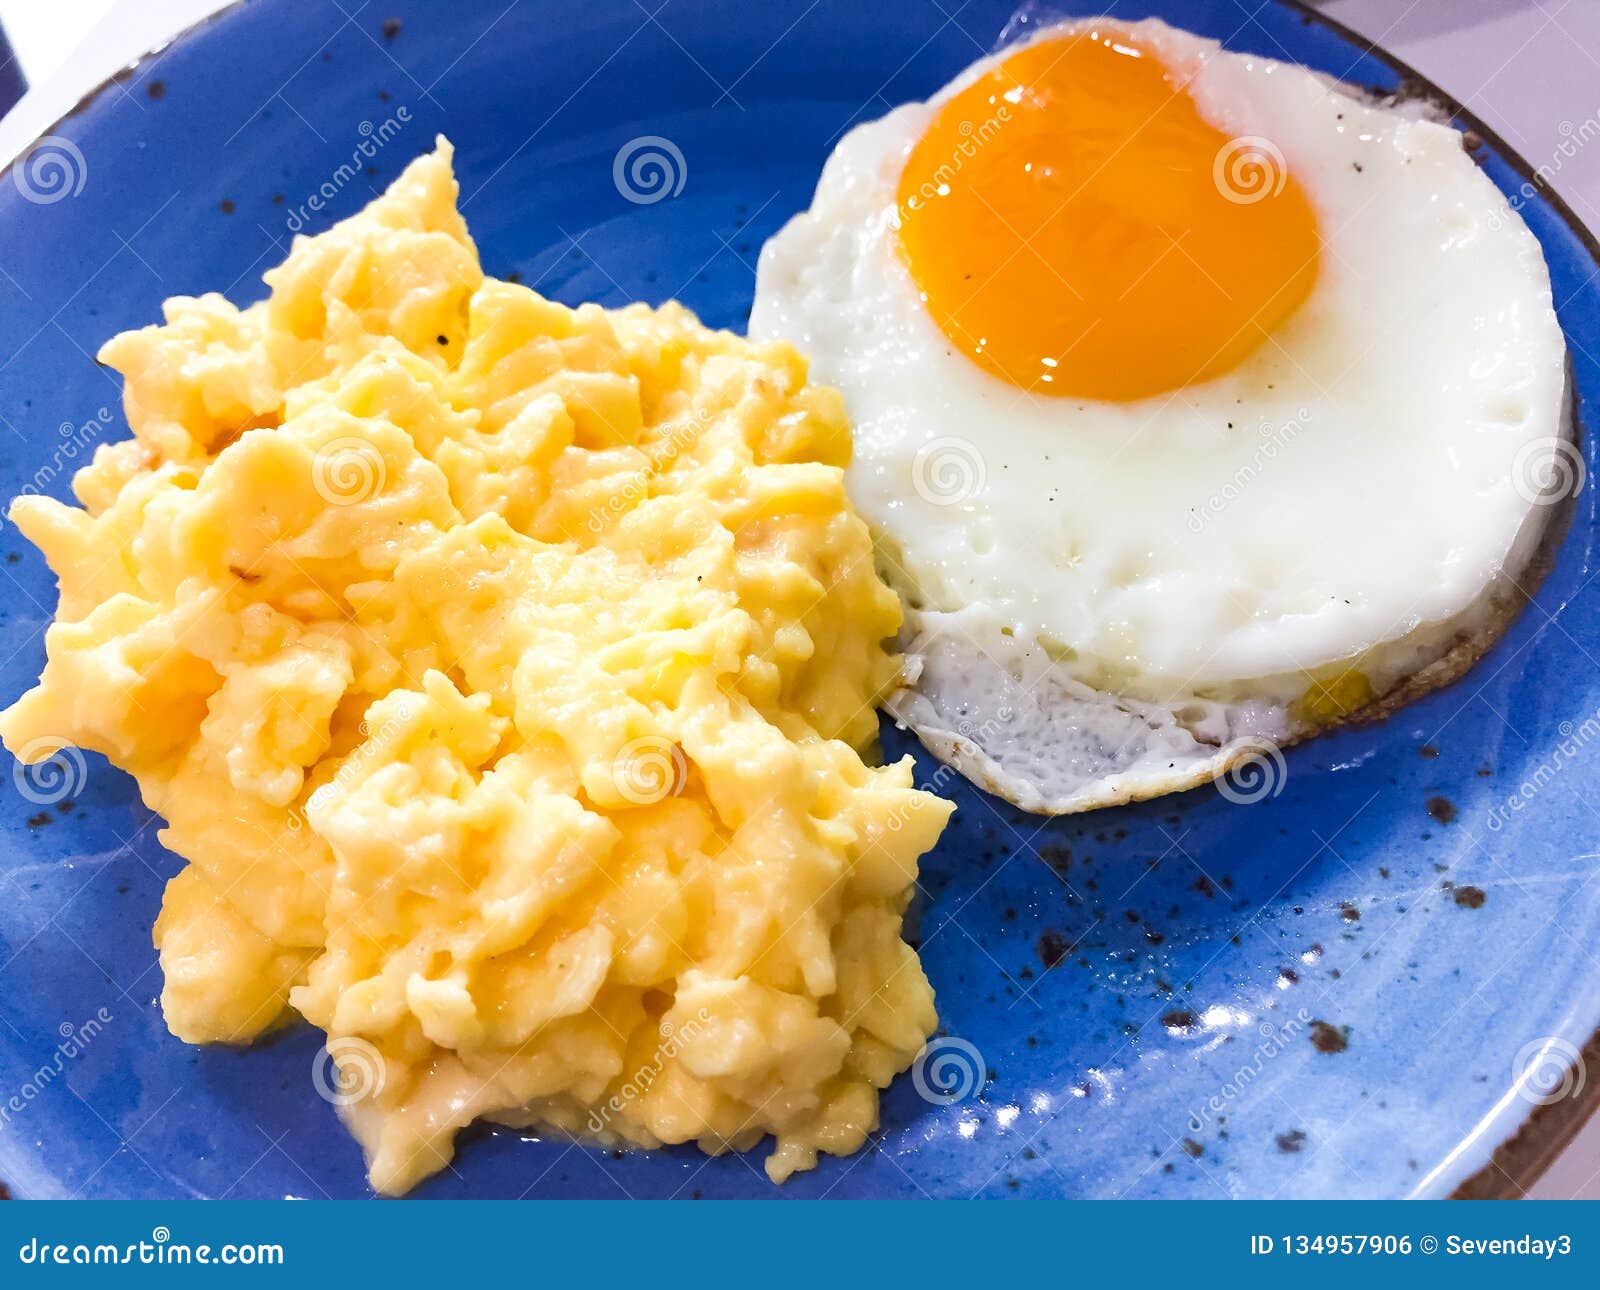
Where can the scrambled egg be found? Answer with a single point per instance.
(503, 672)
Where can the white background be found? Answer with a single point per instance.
(1529, 68)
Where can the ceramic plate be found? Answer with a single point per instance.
(1364, 984)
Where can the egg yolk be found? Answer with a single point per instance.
(1078, 228)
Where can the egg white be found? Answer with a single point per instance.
(1110, 601)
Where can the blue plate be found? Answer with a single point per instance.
(1363, 986)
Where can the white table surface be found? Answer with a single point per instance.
(1529, 68)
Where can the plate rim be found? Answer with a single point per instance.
(1527, 1152)
(1532, 1146)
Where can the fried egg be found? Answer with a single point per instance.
(1201, 403)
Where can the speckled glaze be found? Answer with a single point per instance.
(1333, 992)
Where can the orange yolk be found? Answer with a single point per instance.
(1077, 228)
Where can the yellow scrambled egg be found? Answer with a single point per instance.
(503, 672)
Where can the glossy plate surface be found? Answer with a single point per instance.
(1357, 987)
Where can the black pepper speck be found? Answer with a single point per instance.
(1329, 1039)
(1052, 948)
